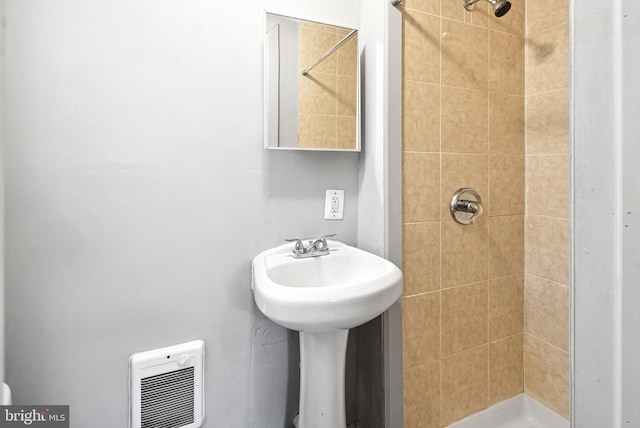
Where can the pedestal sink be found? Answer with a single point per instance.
(322, 298)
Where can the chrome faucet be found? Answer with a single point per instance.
(317, 247)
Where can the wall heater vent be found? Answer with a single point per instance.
(167, 387)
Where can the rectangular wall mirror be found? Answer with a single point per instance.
(312, 85)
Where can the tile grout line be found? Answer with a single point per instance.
(548, 280)
(539, 339)
(441, 369)
(524, 281)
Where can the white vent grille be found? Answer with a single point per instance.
(167, 387)
(167, 400)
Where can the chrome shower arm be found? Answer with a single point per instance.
(468, 4)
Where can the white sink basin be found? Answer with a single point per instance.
(323, 297)
(337, 291)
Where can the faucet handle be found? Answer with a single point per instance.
(477, 207)
(321, 243)
(298, 248)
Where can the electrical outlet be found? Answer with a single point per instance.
(334, 205)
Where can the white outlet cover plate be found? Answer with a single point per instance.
(334, 205)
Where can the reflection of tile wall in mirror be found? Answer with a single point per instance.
(327, 96)
(325, 99)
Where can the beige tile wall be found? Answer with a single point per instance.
(546, 296)
(463, 126)
(327, 95)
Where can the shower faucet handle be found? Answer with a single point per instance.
(471, 206)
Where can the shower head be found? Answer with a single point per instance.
(500, 7)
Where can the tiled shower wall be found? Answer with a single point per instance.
(327, 95)
(546, 342)
(466, 301)
(463, 126)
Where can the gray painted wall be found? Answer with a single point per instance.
(380, 208)
(629, 89)
(138, 192)
(593, 222)
(2, 110)
(606, 222)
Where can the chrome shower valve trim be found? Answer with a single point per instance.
(471, 206)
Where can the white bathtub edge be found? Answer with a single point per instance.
(520, 411)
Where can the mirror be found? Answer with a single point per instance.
(312, 85)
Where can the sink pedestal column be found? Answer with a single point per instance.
(322, 362)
